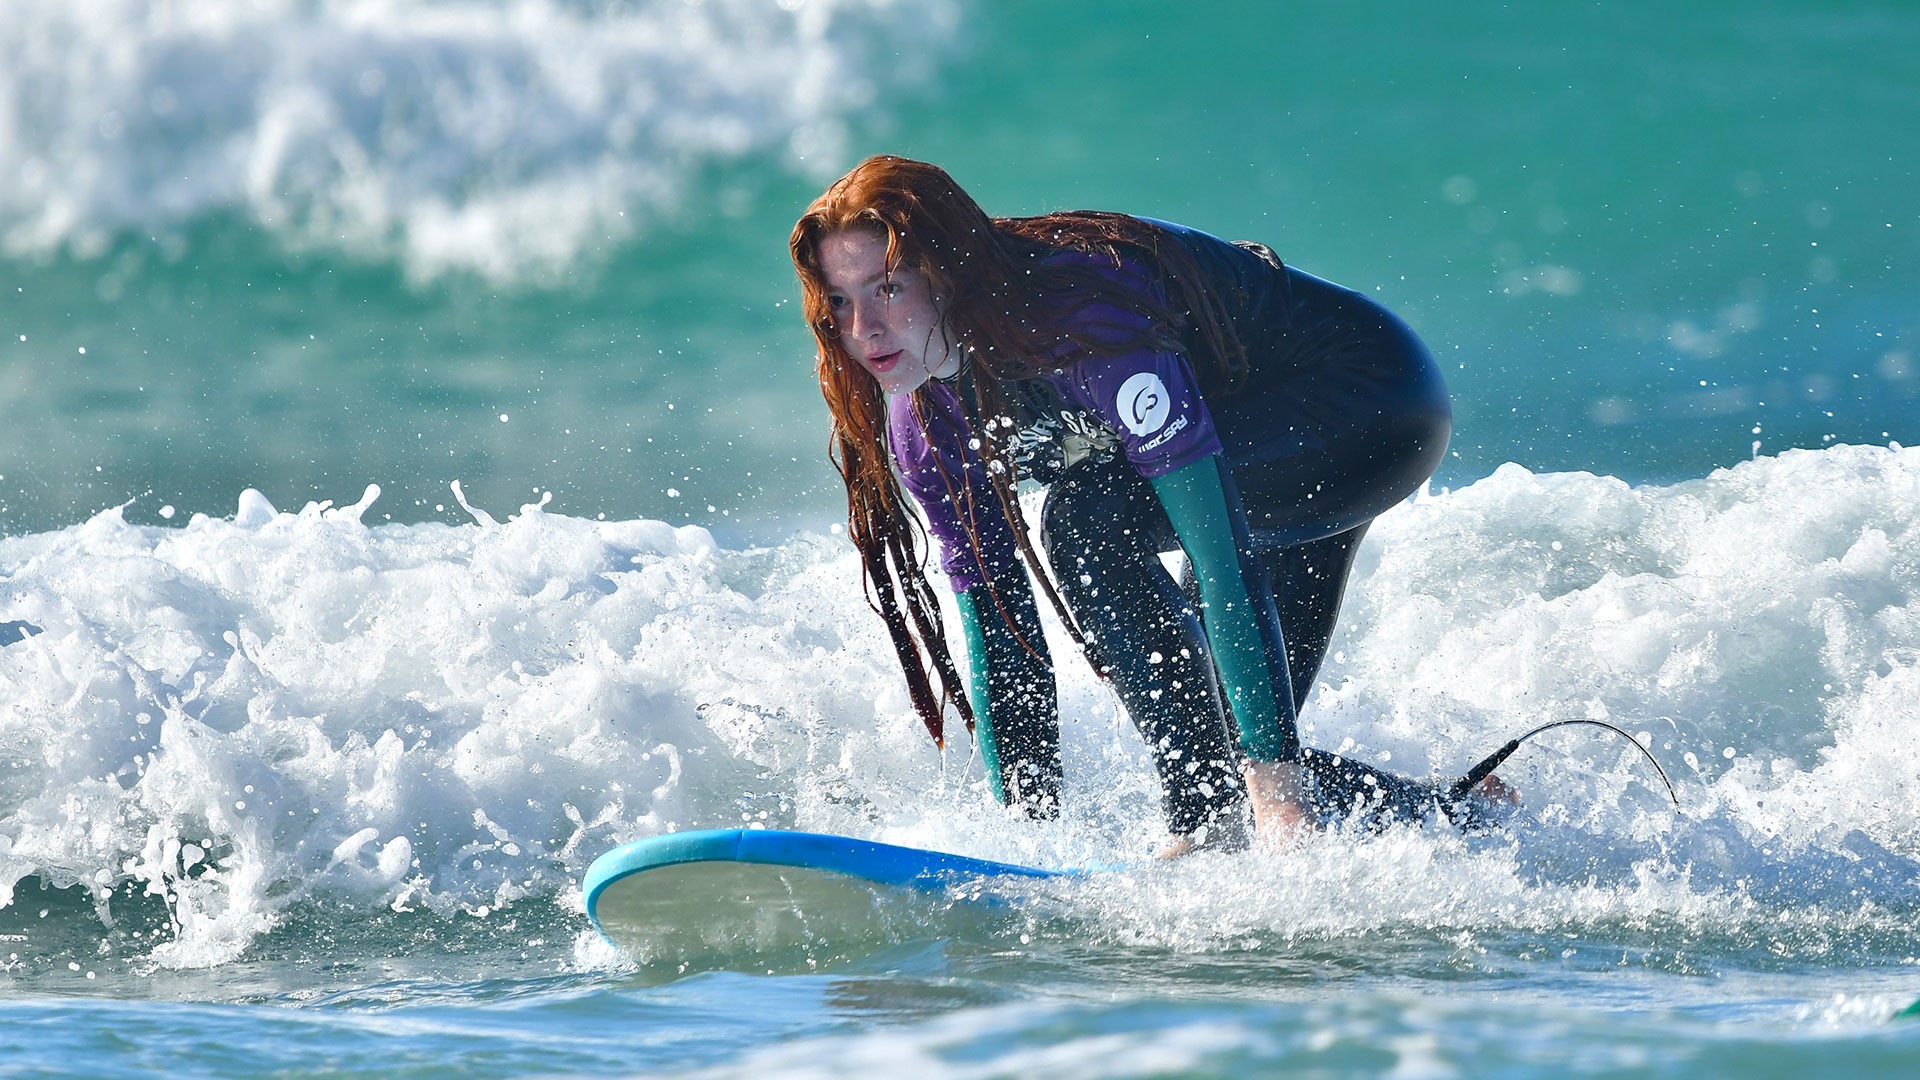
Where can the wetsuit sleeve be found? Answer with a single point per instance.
(1132, 377)
(1153, 402)
(1252, 674)
(1010, 685)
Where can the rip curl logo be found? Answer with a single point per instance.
(1144, 403)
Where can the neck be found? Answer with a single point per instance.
(949, 365)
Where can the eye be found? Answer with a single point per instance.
(835, 301)
(891, 289)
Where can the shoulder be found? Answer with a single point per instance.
(1153, 403)
(906, 429)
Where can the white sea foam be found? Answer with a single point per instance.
(507, 138)
(240, 714)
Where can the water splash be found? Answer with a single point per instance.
(242, 715)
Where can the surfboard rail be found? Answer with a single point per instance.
(864, 860)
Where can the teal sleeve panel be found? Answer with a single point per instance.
(1010, 685)
(977, 695)
(1253, 677)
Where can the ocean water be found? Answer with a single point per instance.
(411, 486)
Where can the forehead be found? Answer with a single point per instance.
(852, 258)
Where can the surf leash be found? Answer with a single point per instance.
(1481, 771)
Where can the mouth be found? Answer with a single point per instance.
(884, 362)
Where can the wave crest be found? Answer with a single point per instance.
(511, 139)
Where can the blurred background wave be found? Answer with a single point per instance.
(538, 245)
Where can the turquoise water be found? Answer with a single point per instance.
(292, 791)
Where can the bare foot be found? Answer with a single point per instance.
(1494, 792)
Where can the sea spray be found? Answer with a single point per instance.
(243, 715)
(426, 716)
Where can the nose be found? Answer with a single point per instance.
(866, 318)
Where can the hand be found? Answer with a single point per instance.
(1276, 793)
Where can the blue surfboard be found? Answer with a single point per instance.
(754, 897)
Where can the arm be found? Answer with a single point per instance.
(1012, 692)
(1253, 677)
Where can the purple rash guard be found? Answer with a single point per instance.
(1144, 402)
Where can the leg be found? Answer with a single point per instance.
(1310, 581)
(1298, 589)
(1345, 415)
(1102, 528)
(1349, 789)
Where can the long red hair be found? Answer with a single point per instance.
(1003, 304)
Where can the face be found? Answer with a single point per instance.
(888, 323)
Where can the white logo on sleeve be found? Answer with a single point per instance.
(1144, 403)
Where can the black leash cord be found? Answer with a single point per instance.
(1481, 771)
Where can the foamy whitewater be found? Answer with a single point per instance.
(245, 715)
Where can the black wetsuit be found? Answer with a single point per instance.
(1343, 415)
